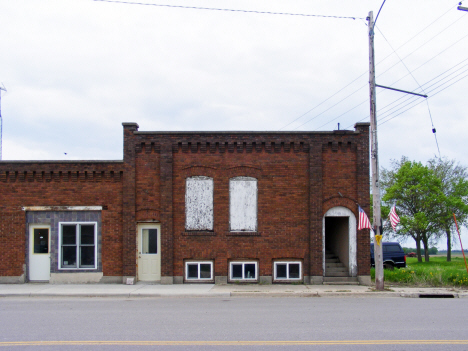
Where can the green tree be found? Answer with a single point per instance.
(416, 190)
(454, 183)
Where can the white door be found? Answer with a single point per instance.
(149, 252)
(39, 253)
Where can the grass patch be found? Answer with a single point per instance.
(437, 272)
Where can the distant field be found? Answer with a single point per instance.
(437, 272)
(456, 254)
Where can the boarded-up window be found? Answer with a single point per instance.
(243, 204)
(199, 203)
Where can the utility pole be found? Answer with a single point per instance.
(378, 257)
(1, 122)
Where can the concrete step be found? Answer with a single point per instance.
(336, 274)
(340, 280)
(336, 270)
(334, 265)
(332, 260)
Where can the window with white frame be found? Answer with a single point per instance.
(288, 270)
(201, 270)
(199, 203)
(77, 245)
(243, 204)
(243, 270)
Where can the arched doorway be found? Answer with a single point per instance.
(339, 243)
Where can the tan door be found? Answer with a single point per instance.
(149, 252)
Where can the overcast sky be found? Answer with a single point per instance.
(74, 70)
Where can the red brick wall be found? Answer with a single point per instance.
(299, 176)
(282, 216)
(59, 184)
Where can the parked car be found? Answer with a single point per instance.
(393, 255)
(411, 254)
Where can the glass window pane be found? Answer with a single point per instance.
(236, 271)
(87, 256)
(69, 234)
(249, 271)
(41, 240)
(391, 248)
(205, 271)
(87, 234)
(69, 256)
(294, 270)
(149, 243)
(192, 271)
(281, 271)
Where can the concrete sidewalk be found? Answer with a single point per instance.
(211, 290)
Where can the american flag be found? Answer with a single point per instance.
(394, 219)
(363, 220)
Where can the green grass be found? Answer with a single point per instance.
(437, 272)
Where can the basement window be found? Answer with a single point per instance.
(243, 271)
(199, 203)
(77, 245)
(288, 270)
(199, 271)
(243, 204)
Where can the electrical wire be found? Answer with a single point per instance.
(432, 95)
(423, 64)
(381, 112)
(228, 10)
(323, 102)
(422, 89)
(379, 63)
(430, 91)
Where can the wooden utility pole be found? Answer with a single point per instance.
(378, 257)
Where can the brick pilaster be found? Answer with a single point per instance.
(167, 249)
(363, 191)
(129, 230)
(315, 206)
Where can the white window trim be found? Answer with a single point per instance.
(275, 263)
(243, 264)
(60, 224)
(198, 263)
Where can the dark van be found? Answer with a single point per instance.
(393, 256)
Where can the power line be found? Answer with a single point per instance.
(228, 10)
(321, 113)
(384, 114)
(432, 58)
(445, 13)
(431, 90)
(432, 95)
(324, 102)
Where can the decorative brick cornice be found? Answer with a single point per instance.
(240, 146)
(60, 176)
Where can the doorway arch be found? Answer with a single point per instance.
(339, 236)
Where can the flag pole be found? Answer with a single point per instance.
(459, 237)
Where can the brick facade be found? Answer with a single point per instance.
(299, 175)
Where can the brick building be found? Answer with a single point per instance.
(260, 207)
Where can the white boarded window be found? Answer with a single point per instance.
(199, 203)
(243, 204)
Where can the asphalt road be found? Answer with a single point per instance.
(233, 324)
